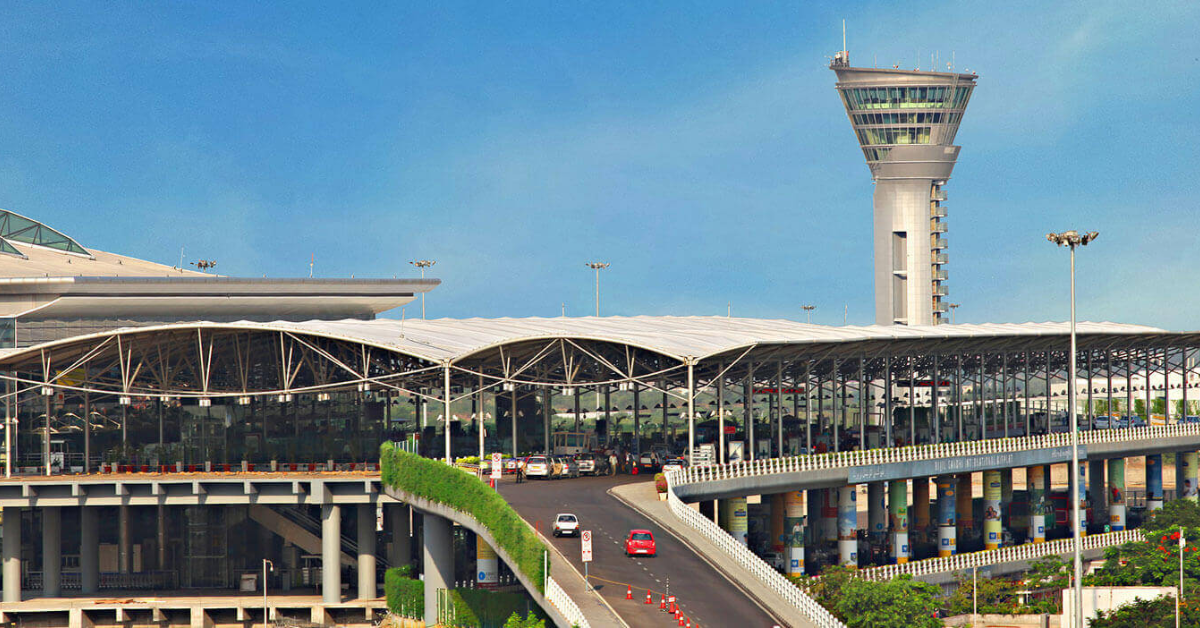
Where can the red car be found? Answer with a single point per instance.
(640, 543)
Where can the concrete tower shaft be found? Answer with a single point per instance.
(906, 121)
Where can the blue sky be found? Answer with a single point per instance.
(698, 147)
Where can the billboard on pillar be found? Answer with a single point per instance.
(487, 564)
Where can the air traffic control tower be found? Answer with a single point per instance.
(906, 121)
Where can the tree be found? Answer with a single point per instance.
(1156, 613)
(1139, 408)
(1155, 560)
(897, 603)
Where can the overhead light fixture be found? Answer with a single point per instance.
(205, 402)
(47, 391)
(509, 387)
(243, 401)
(364, 387)
(323, 396)
(124, 401)
(285, 398)
(567, 391)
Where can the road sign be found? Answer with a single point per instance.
(497, 469)
(585, 538)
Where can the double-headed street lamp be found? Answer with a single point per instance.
(953, 306)
(1072, 239)
(808, 312)
(597, 266)
(423, 264)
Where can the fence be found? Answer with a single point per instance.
(565, 604)
(846, 459)
(1028, 551)
(802, 604)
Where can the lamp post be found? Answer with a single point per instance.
(808, 312)
(597, 266)
(266, 609)
(1072, 239)
(423, 264)
(953, 306)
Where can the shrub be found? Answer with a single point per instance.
(433, 480)
(660, 482)
(405, 594)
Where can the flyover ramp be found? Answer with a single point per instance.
(564, 609)
(829, 470)
(706, 596)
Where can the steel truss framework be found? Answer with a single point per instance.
(213, 361)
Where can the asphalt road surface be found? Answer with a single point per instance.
(707, 598)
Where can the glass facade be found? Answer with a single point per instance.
(18, 228)
(939, 97)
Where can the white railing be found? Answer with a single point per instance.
(804, 605)
(847, 459)
(1028, 551)
(565, 604)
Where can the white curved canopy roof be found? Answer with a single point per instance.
(679, 337)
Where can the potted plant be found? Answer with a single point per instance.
(660, 485)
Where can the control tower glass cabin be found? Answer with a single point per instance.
(906, 121)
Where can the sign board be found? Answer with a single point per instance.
(730, 430)
(585, 539)
(961, 464)
(497, 466)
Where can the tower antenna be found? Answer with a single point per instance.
(843, 35)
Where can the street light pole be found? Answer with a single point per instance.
(1072, 239)
(597, 266)
(808, 312)
(423, 264)
(953, 306)
(266, 609)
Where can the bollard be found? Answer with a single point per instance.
(629, 593)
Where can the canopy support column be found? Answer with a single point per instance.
(446, 412)
(691, 410)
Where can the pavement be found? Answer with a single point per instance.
(706, 597)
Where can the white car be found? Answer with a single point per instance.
(674, 463)
(539, 467)
(566, 524)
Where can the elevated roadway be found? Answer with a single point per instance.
(708, 599)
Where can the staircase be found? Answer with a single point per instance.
(299, 528)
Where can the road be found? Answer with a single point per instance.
(707, 598)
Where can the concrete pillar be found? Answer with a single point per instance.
(331, 546)
(89, 550)
(1185, 472)
(793, 524)
(124, 554)
(1116, 494)
(51, 551)
(12, 554)
(1006, 495)
(992, 529)
(367, 588)
(1154, 489)
(829, 509)
(920, 507)
(396, 516)
(738, 521)
(777, 539)
(813, 504)
(947, 534)
(438, 551)
(898, 513)
(847, 522)
(1097, 496)
(877, 511)
(1036, 485)
(965, 506)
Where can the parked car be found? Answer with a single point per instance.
(674, 463)
(570, 467)
(592, 464)
(539, 467)
(640, 543)
(566, 524)
(648, 462)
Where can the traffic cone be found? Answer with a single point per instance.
(629, 593)
(662, 603)
(689, 623)
(649, 599)
(681, 619)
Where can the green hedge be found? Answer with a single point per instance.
(405, 594)
(442, 484)
(476, 608)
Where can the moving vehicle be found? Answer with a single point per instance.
(566, 524)
(640, 543)
(539, 467)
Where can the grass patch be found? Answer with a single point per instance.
(433, 480)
